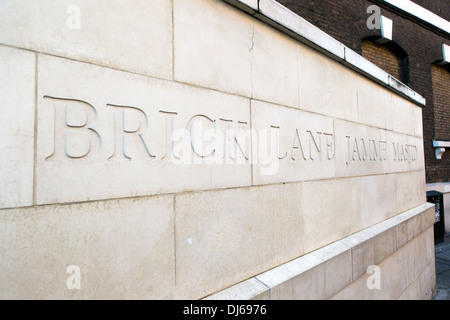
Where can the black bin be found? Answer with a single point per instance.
(437, 198)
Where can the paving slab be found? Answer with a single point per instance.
(442, 253)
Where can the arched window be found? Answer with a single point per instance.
(441, 101)
(389, 56)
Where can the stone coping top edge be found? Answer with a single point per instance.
(288, 22)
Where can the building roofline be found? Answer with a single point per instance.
(420, 13)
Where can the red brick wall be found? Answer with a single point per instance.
(441, 95)
(346, 20)
(439, 170)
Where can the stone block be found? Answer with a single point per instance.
(417, 156)
(307, 285)
(317, 275)
(249, 6)
(251, 289)
(226, 236)
(423, 287)
(370, 247)
(360, 149)
(403, 115)
(412, 292)
(326, 87)
(410, 190)
(427, 281)
(275, 66)
(374, 104)
(418, 122)
(290, 145)
(135, 37)
(355, 60)
(17, 91)
(331, 211)
(403, 152)
(418, 258)
(378, 201)
(124, 249)
(216, 56)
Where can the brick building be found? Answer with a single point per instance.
(416, 51)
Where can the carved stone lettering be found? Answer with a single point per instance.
(404, 152)
(365, 150)
(124, 132)
(79, 128)
(202, 139)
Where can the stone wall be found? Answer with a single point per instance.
(346, 20)
(172, 149)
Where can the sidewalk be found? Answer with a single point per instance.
(442, 253)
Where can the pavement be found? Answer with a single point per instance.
(442, 254)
